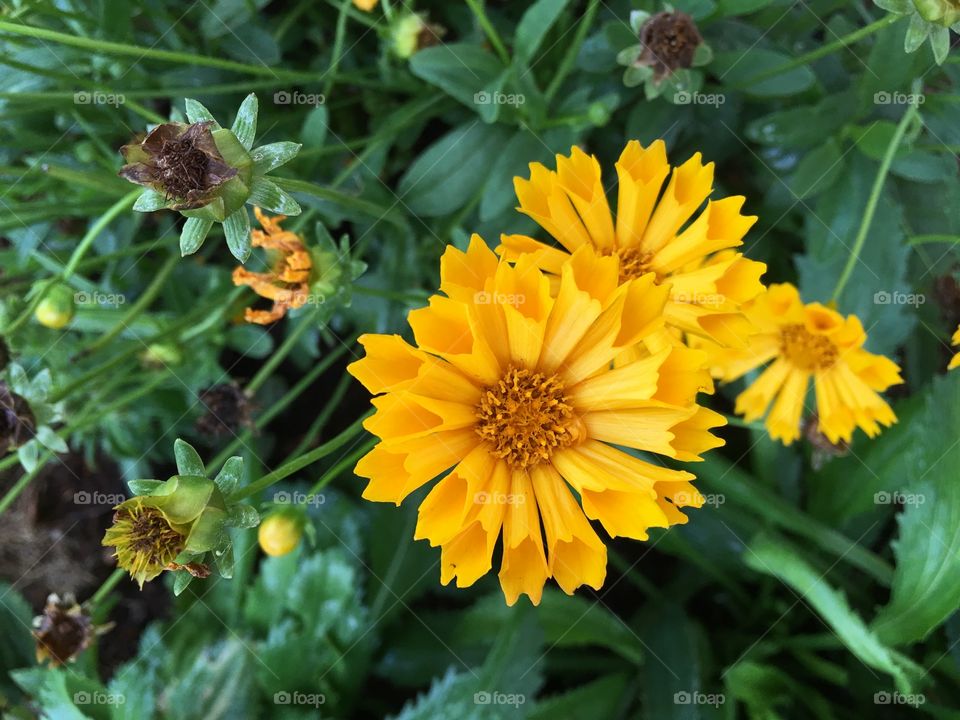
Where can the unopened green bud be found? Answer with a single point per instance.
(281, 531)
(56, 309)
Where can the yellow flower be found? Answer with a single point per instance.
(708, 280)
(510, 395)
(366, 5)
(807, 341)
(955, 360)
(288, 282)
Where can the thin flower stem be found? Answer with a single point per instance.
(263, 374)
(320, 422)
(107, 587)
(824, 50)
(349, 202)
(874, 198)
(338, 40)
(142, 53)
(118, 207)
(143, 302)
(297, 464)
(566, 65)
(278, 407)
(341, 465)
(476, 6)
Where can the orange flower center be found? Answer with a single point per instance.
(526, 416)
(807, 350)
(634, 262)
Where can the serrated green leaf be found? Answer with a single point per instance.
(188, 459)
(245, 124)
(236, 228)
(266, 195)
(198, 113)
(193, 234)
(149, 201)
(267, 157)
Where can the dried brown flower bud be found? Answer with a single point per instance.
(181, 161)
(63, 631)
(670, 41)
(823, 449)
(228, 410)
(17, 424)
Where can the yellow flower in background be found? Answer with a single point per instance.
(804, 342)
(288, 282)
(511, 398)
(366, 5)
(656, 230)
(955, 360)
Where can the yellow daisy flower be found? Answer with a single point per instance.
(660, 231)
(955, 360)
(288, 282)
(807, 341)
(511, 398)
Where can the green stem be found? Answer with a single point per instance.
(143, 53)
(320, 422)
(874, 198)
(489, 30)
(118, 207)
(823, 51)
(107, 587)
(263, 374)
(143, 302)
(297, 464)
(349, 202)
(338, 39)
(341, 465)
(566, 65)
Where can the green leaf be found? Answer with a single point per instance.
(181, 580)
(459, 69)
(229, 476)
(149, 201)
(743, 7)
(926, 583)
(143, 487)
(236, 228)
(940, 42)
(193, 234)
(900, 7)
(266, 195)
(672, 671)
(451, 170)
(188, 460)
(772, 556)
(600, 698)
(50, 440)
(245, 124)
(534, 26)
(737, 69)
(198, 113)
(818, 171)
(268, 157)
(917, 32)
(242, 516)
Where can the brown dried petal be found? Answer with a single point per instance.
(670, 41)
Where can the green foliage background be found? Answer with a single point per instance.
(806, 592)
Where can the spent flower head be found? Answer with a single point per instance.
(26, 416)
(208, 173)
(64, 630)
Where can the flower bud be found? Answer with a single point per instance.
(411, 33)
(17, 422)
(64, 630)
(56, 309)
(185, 514)
(281, 531)
(162, 354)
(941, 12)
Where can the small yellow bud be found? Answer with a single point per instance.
(55, 311)
(281, 531)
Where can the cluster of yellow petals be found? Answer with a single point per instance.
(955, 360)
(808, 342)
(511, 397)
(287, 283)
(665, 231)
